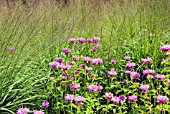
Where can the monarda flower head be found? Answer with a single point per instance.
(69, 97)
(96, 39)
(72, 40)
(113, 61)
(38, 112)
(162, 99)
(89, 69)
(130, 65)
(132, 98)
(135, 75)
(115, 100)
(66, 51)
(147, 60)
(148, 72)
(160, 77)
(79, 99)
(74, 86)
(165, 48)
(112, 73)
(127, 58)
(59, 60)
(81, 40)
(93, 87)
(108, 95)
(23, 110)
(97, 61)
(53, 64)
(144, 87)
(90, 40)
(45, 104)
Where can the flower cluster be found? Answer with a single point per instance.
(93, 87)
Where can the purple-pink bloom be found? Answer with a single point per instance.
(165, 48)
(45, 104)
(148, 72)
(162, 99)
(94, 48)
(75, 58)
(79, 99)
(38, 112)
(160, 77)
(168, 81)
(127, 58)
(67, 67)
(10, 48)
(122, 97)
(124, 80)
(130, 65)
(135, 75)
(115, 99)
(87, 59)
(97, 61)
(147, 60)
(151, 34)
(92, 88)
(71, 40)
(132, 98)
(112, 73)
(144, 87)
(128, 72)
(100, 87)
(23, 110)
(82, 66)
(108, 95)
(66, 50)
(89, 69)
(90, 40)
(96, 39)
(69, 97)
(81, 40)
(74, 86)
(113, 61)
(54, 64)
(59, 60)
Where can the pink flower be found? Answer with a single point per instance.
(122, 97)
(87, 59)
(147, 60)
(108, 95)
(132, 98)
(130, 65)
(160, 77)
(69, 97)
(90, 40)
(45, 104)
(124, 80)
(115, 100)
(79, 99)
(10, 48)
(23, 110)
(112, 73)
(93, 87)
(54, 64)
(97, 61)
(127, 58)
(162, 99)
(148, 72)
(144, 87)
(66, 50)
(128, 72)
(72, 40)
(38, 112)
(74, 86)
(75, 58)
(113, 61)
(165, 48)
(135, 75)
(89, 69)
(151, 34)
(59, 60)
(96, 39)
(94, 48)
(81, 40)
(168, 81)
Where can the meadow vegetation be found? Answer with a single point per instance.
(85, 57)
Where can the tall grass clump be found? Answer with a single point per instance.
(112, 62)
